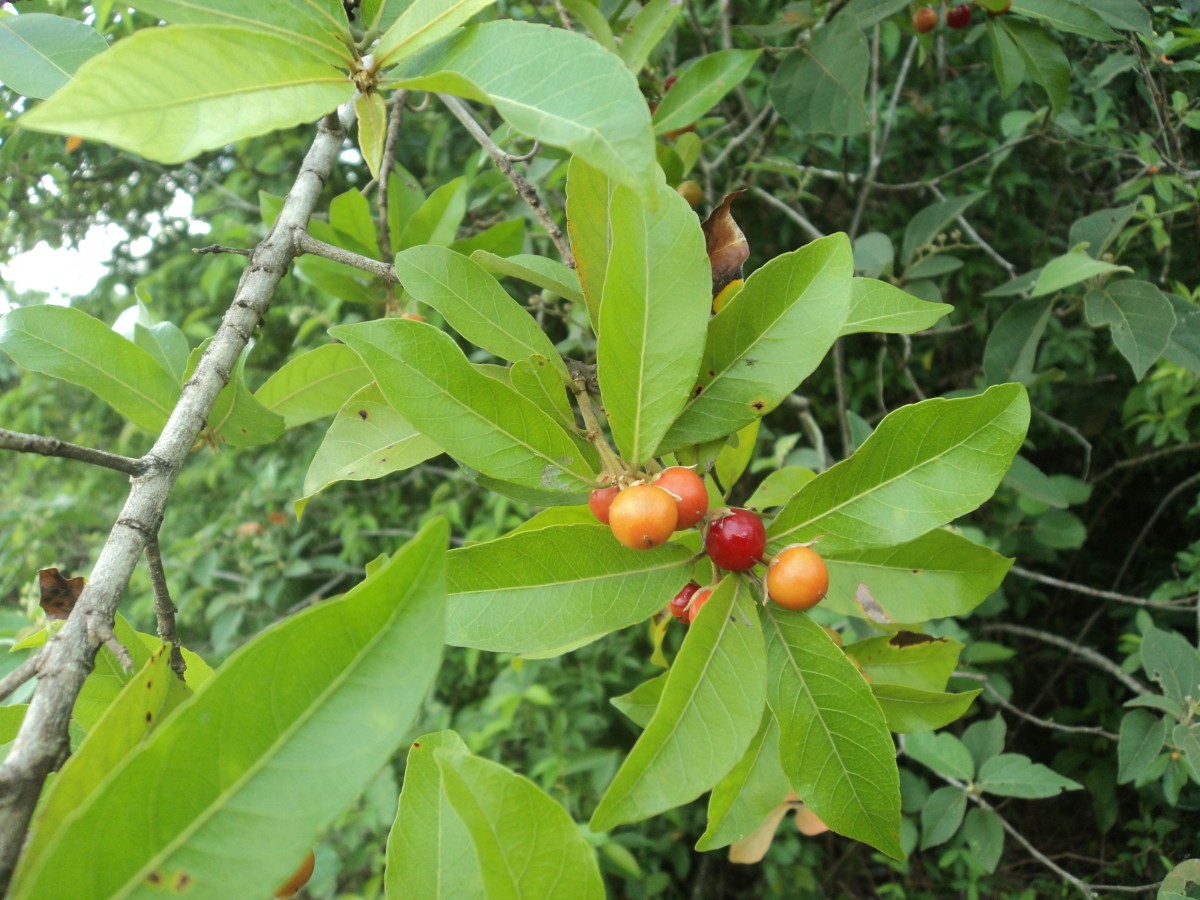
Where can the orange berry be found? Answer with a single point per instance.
(691, 496)
(643, 516)
(797, 578)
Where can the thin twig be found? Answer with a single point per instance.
(1085, 653)
(220, 248)
(798, 217)
(47, 446)
(1186, 484)
(306, 243)
(21, 674)
(1030, 717)
(975, 236)
(563, 17)
(1183, 603)
(102, 631)
(385, 170)
(504, 163)
(164, 607)
(1145, 458)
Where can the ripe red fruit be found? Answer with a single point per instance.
(642, 516)
(698, 601)
(925, 19)
(679, 603)
(299, 878)
(959, 16)
(690, 493)
(600, 500)
(735, 541)
(797, 578)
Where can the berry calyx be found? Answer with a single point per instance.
(959, 16)
(600, 501)
(797, 578)
(680, 602)
(925, 19)
(700, 598)
(736, 540)
(298, 880)
(642, 516)
(691, 496)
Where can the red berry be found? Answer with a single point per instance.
(959, 16)
(691, 496)
(797, 578)
(601, 500)
(736, 540)
(698, 601)
(679, 603)
(925, 19)
(299, 878)
(669, 82)
(642, 516)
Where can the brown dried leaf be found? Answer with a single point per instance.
(752, 848)
(726, 245)
(59, 593)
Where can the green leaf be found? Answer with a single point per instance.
(1067, 15)
(1070, 269)
(473, 303)
(942, 814)
(984, 834)
(437, 219)
(746, 796)
(314, 384)
(1187, 739)
(925, 465)
(646, 31)
(1142, 737)
(367, 440)
(655, 309)
(874, 255)
(1014, 775)
(701, 86)
(39, 53)
(821, 88)
(1007, 59)
(931, 221)
(589, 198)
(640, 703)
(711, 707)
(834, 744)
(538, 379)
(771, 336)
(911, 660)
(1126, 15)
(936, 575)
(911, 710)
(1140, 316)
(548, 274)
(422, 23)
(166, 343)
(371, 112)
(237, 417)
(307, 711)
(779, 487)
(478, 420)
(595, 110)
(1030, 481)
(736, 455)
(429, 849)
(876, 306)
(504, 239)
(943, 753)
(171, 93)
(1172, 663)
(1099, 229)
(318, 26)
(1011, 351)
(985, 739)
(68, 344)
(1184, 346)
(1043, 57)
(546, 591)
(869, 12)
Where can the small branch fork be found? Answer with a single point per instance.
(48, 446)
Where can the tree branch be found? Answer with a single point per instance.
(303, 242)
(164, 607)
(21, 674)
(1086, 653)
(47, 446)
(68, 657)
(1183, 604)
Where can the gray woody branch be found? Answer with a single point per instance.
(67, 658)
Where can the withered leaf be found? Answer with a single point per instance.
(59, 593)
(726, 245)
(911, 639)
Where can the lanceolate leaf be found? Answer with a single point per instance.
(68, 344)
(701, 87)
(908, 659)
(171, 93)
(314, 720)
(770, 337)
(548, 274)
(546, 591)
(314, 384)
(480, 421)
(710, 710)
(834, 743)
(925, 465)
(653, 317)
(911, 711)
(422, 23)
(881, 307)
(40, 52)
(589, 202)
(595, 110)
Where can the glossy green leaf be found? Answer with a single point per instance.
(367, 440)
(746, 796)
(1070, 269)
(925, 465)
(822, 87)
(422, 23)
(318, 26)
(479, 421)
(589, 202)
(546, 591)
(166, 343)
(525, 843)
(779, 487)
(1067, 15)
(984, 834)
(540, 380)
(833, 742)
(942, 814)
(647, 29)
(171, 93)
(68, 344)
(548, 274)
(1012, 345)
(314, 384)
(943, 753)
(1014, 775)
(429, 850)
(1140, 317)
(640, 703)
(595, 111)
(701, 86)
(39, 52)
(910, 710)
(306, 710)
(911, 660)
(437, 218)
(710, 710)
(936, 575)
(371, 112)
(473, 303)
(1141, 738)
(1172, 663)
(931, 221)
(736, 455)
(767, 339)
(655, 309)
(877, 306)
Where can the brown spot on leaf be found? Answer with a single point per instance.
(726, 245)
(362, 414)
(751, 362)
(697, 390)
(416, 745)
(911, 639)
(758, 405)
(183, 881)
(155, 877)
(870, 606)
(59, 593)
(712, 373)
(149, 717)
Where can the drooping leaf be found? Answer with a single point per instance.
(701, 86)
(589, 201)
(822, 87)
(1139, 742)
(39, 52)
(1012, 345)
(876, 306)
(910, 710)
(548, 274)
(725, 244)
(1045, 62)
(1140, 317)
(1070, 269)
(314, 384)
